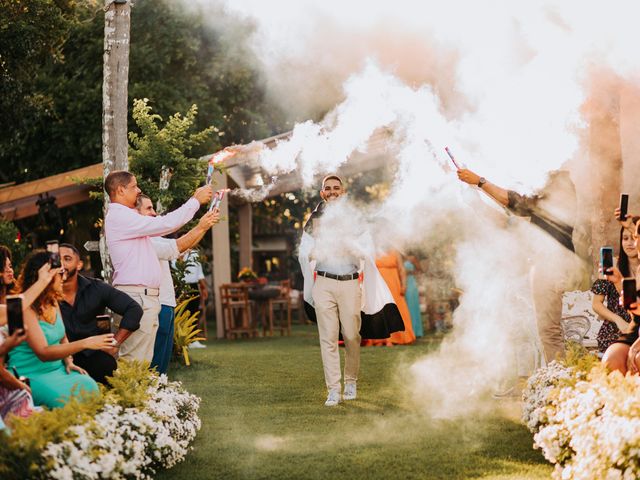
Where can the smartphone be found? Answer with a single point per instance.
(624, 206)
(103, 323)
(14, 313)
(606, 259)
(209, 173)
(53, 247)
(629, 292)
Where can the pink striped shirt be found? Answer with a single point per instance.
(128, 238)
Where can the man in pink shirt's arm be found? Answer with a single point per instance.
(136, 267)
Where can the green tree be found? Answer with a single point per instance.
(51, 65)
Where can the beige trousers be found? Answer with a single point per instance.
(139, 345)
(337, 305)
(548, 283)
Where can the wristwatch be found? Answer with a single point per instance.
(481, 182)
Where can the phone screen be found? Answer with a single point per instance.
(629, 293)
(14, 313)
(53, 247)
(624, 206)
(606, 259)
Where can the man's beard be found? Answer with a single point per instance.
(71, 274)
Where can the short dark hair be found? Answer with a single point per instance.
(139, 200)
(70, 246)
(331, 177)
(117, 178)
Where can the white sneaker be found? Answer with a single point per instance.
(197, 345)
(333, 398)
(349, 391)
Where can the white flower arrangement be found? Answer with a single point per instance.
(128, 443)
(587, 425)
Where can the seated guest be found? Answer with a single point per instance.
(6, 272)
(15, 395)
(616, 319)
(83, 300)
(46, 357)
(623, 354)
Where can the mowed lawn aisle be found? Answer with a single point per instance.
(263, 418)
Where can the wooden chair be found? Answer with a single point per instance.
(280, 311)
(236, 311)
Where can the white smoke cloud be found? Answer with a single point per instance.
(501, 83)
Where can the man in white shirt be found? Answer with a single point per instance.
(194, 277)
(169, 249)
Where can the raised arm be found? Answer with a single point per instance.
(130, 224)
(498, 193)
(193, 236)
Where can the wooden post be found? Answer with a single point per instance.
(221, 266)
(246, 240)
(117, 21)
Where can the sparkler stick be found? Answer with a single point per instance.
(446, 149)
(217, 198)
(216, 158)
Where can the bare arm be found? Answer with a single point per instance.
(47, 353)
(598, 307)
(402, 273)
(45, 275)
(193, 236)
(497, 193)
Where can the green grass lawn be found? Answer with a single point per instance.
(263, 418)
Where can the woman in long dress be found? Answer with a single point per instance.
(392, 270)
(413, 296)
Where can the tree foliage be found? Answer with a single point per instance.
(51, 80)
(171, 147)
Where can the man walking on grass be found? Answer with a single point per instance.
(333, 296)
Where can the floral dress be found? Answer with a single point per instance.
(609, 331)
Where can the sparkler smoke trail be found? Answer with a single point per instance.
(504, 84)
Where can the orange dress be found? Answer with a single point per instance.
(388, 267)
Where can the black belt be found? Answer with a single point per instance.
(351, 276)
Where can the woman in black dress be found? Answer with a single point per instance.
(624, 353)
(616, 319)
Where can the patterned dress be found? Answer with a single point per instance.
(609, 331)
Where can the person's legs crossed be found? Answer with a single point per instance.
(615, 357)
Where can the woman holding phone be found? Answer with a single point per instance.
(616, 319)
(46, 356)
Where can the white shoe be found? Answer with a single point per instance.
(349, 391)
(197, 345)
(333, 398)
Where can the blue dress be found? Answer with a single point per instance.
(413, 299)
(51, 385)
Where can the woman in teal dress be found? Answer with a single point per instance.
(413, 297)
(46, 357)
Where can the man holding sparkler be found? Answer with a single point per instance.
(553, 211)
(137, 270)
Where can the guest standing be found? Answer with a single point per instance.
(412, 295)
(170, 249)
(392, 270)
(137, 270)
